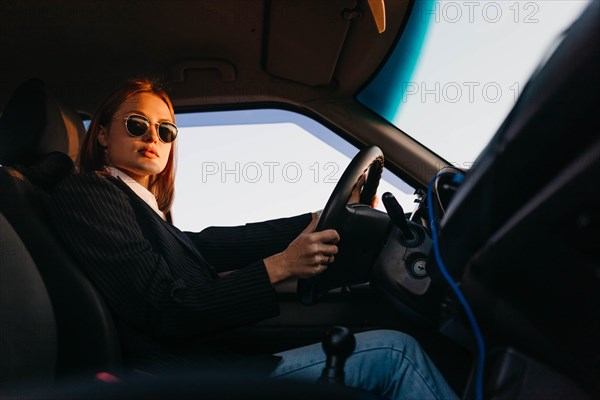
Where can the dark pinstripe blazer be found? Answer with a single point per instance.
(161, 283)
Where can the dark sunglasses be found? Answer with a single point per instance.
(137, 125)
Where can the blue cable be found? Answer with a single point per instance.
(456, 289)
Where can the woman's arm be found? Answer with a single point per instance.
(163, 294)
(227, 248)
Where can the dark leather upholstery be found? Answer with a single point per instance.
(27, 325)
(34, 123)
(87, 341)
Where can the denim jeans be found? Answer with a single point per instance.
(387, 363)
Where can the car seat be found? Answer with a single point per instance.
(38, 140)
(35, 123)
(27, 323)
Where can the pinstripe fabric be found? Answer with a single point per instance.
(154, 277)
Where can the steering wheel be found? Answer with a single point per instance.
(369, 160)
(352, 262)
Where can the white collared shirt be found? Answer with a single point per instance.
(138, 189)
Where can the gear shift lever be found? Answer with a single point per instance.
(338, 344)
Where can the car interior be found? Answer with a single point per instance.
(516, 234)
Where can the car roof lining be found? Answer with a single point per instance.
(91, 46)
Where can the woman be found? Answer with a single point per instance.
(172, 292)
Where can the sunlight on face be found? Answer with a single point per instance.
(143, 156)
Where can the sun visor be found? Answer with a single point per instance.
(305, 38)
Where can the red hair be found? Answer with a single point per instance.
(91, 156)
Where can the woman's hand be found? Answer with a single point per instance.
(355, 196)
(308, 255)
(311, 252)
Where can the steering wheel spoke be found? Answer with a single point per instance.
(362, 229)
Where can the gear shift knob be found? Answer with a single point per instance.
(338, 344)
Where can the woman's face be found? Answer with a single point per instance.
(143, 156)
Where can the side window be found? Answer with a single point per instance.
(236, 167)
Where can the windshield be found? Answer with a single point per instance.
(460, 66)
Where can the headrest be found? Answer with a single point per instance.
(35, 123)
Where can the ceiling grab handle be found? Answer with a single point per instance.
(226, 70)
